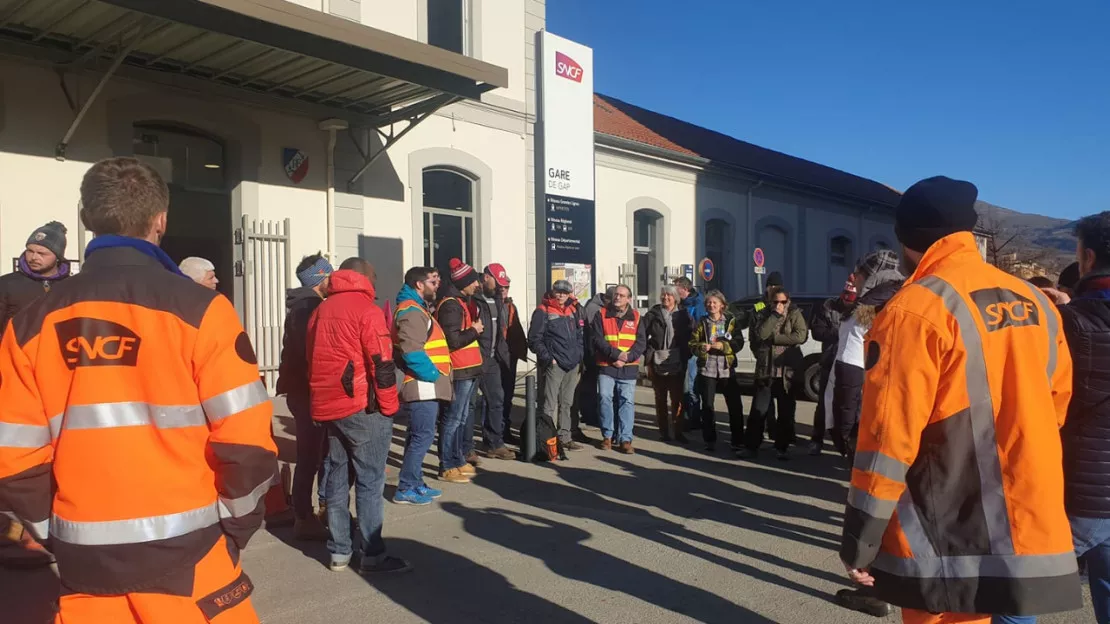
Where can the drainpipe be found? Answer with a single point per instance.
(331, 126)
(751, 234)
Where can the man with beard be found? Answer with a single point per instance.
(423, 357)
(490, 310)
(40, 267)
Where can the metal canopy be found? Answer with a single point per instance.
(273, 48)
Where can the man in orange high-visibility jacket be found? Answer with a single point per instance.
(956, 506)
(134, 431)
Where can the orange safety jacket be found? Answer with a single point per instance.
(134, 429)
(957, 494)
(619, 333)
(436, 345)
(470, 355)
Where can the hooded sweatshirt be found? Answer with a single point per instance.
(21, 287)
(411, 330)
(557, 332)
(300, 303)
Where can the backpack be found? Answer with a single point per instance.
(547, 440)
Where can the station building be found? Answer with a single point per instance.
(401, 131)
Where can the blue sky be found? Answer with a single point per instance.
(1014, 96)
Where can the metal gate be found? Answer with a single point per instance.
(265, 268)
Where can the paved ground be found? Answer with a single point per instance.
(668, 535)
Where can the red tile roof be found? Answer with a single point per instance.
(620, 119)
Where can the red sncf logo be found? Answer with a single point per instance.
(567, 67)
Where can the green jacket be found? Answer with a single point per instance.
(731, 347)
(769, 330)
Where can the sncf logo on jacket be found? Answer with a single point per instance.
(1002, 308)
(95, 342)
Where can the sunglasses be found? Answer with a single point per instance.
(782, 301)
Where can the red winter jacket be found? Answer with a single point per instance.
(348, 346)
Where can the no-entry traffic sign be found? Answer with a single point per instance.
(757, 257)
(705, 269)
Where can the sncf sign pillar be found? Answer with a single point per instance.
(565, 243)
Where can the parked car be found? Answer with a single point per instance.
(810, 385)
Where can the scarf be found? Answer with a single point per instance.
(106, 241)
(63, 270)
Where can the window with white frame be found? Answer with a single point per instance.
(450, 197)
(448, 24)
(717, 237)
(645, 242)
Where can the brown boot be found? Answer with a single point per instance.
(501, 453)
(626, 448)
(607, 444)
(310, 529)
(468, 470)
(454, 475)
(473, 459)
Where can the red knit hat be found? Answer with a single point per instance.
(462, 274)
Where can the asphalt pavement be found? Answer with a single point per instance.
(670, 534)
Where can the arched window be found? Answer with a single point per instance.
(449, 24)
(449, 201)
(718, 233)
(645, 243)
(840, 251)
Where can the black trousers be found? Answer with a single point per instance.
(494, 412)
(819, 414)
(708, 387)
(586, 406)
(508, 391)
(767, 394)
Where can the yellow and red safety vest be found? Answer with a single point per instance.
(619, 333)
(470, 356)
(436, 345)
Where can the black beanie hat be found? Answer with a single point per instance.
(934, 208)
(774, 279)
(52, 236)
(1069, 277)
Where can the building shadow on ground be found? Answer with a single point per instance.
(561, 547)
(446, 588)
(590, 503)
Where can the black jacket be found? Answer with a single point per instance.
(557, 333)
(1086, 434)
(825, 325)
(450, 316)
(494, 336)
(655, 332)
(21, 287)
(300, 303)
(607, 352)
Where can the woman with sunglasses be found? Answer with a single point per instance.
(776, 335)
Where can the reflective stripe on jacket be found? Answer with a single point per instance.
(422, 352)
(956, 499)
(621, 334)
(136, 394)
(470, 355)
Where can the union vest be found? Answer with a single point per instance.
(619, 333)
(435, 346)
(470, 356)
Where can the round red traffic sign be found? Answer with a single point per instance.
(705, 269)
(757, 257)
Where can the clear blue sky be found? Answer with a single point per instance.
(1014, 96)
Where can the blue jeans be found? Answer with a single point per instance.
(607, 386)
(1092, 544)
(363, 440)
(312, 445)
(1013, 619)
(690, 389)
(422, 432)
(452, 440)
